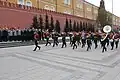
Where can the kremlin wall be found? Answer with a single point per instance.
(13, 15)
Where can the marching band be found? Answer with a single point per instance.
(85, 39)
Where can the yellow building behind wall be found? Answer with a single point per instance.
(24, 2)
(79, 8)
(72, 7)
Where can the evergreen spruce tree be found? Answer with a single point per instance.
(41, 27)
(89, 26)
(81, 26)
(78, 27)
(35, 22)
(70, 24)
(57, 26)
(52, 24)
(41, 23)
(66, 28)
(86, 27)
(93, 29)
(46, 22)
(102, 14)
(74, 26)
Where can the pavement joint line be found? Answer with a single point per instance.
(75, 74)
(66, 57)
(62, 68)
(7, 54)
(35, 59)
(45, 64)
(79, 61)
(99, 75)
(84, 58)
(63, 57)
(21, 72)
(111, 66)
(111, 56)
(116, 75)
(57, 62)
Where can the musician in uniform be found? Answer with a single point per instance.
(116, 40)
(57, 36)
(96, 40)
(70, 36)
(74, 35)
(36, 38)
(78, 38)
(108, 40)
(47, 36)
(112, 40)
(83, 37)
(103, 42)
(63, 40)
(88, 39)
(39, 32)
(55, 41)
(74, 42)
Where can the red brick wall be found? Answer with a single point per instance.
(13, 16)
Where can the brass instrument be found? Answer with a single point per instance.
(107, 29)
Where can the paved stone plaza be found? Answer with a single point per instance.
(21, 63)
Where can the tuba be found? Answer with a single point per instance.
(107, 29)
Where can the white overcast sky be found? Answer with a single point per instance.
(108, 5)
